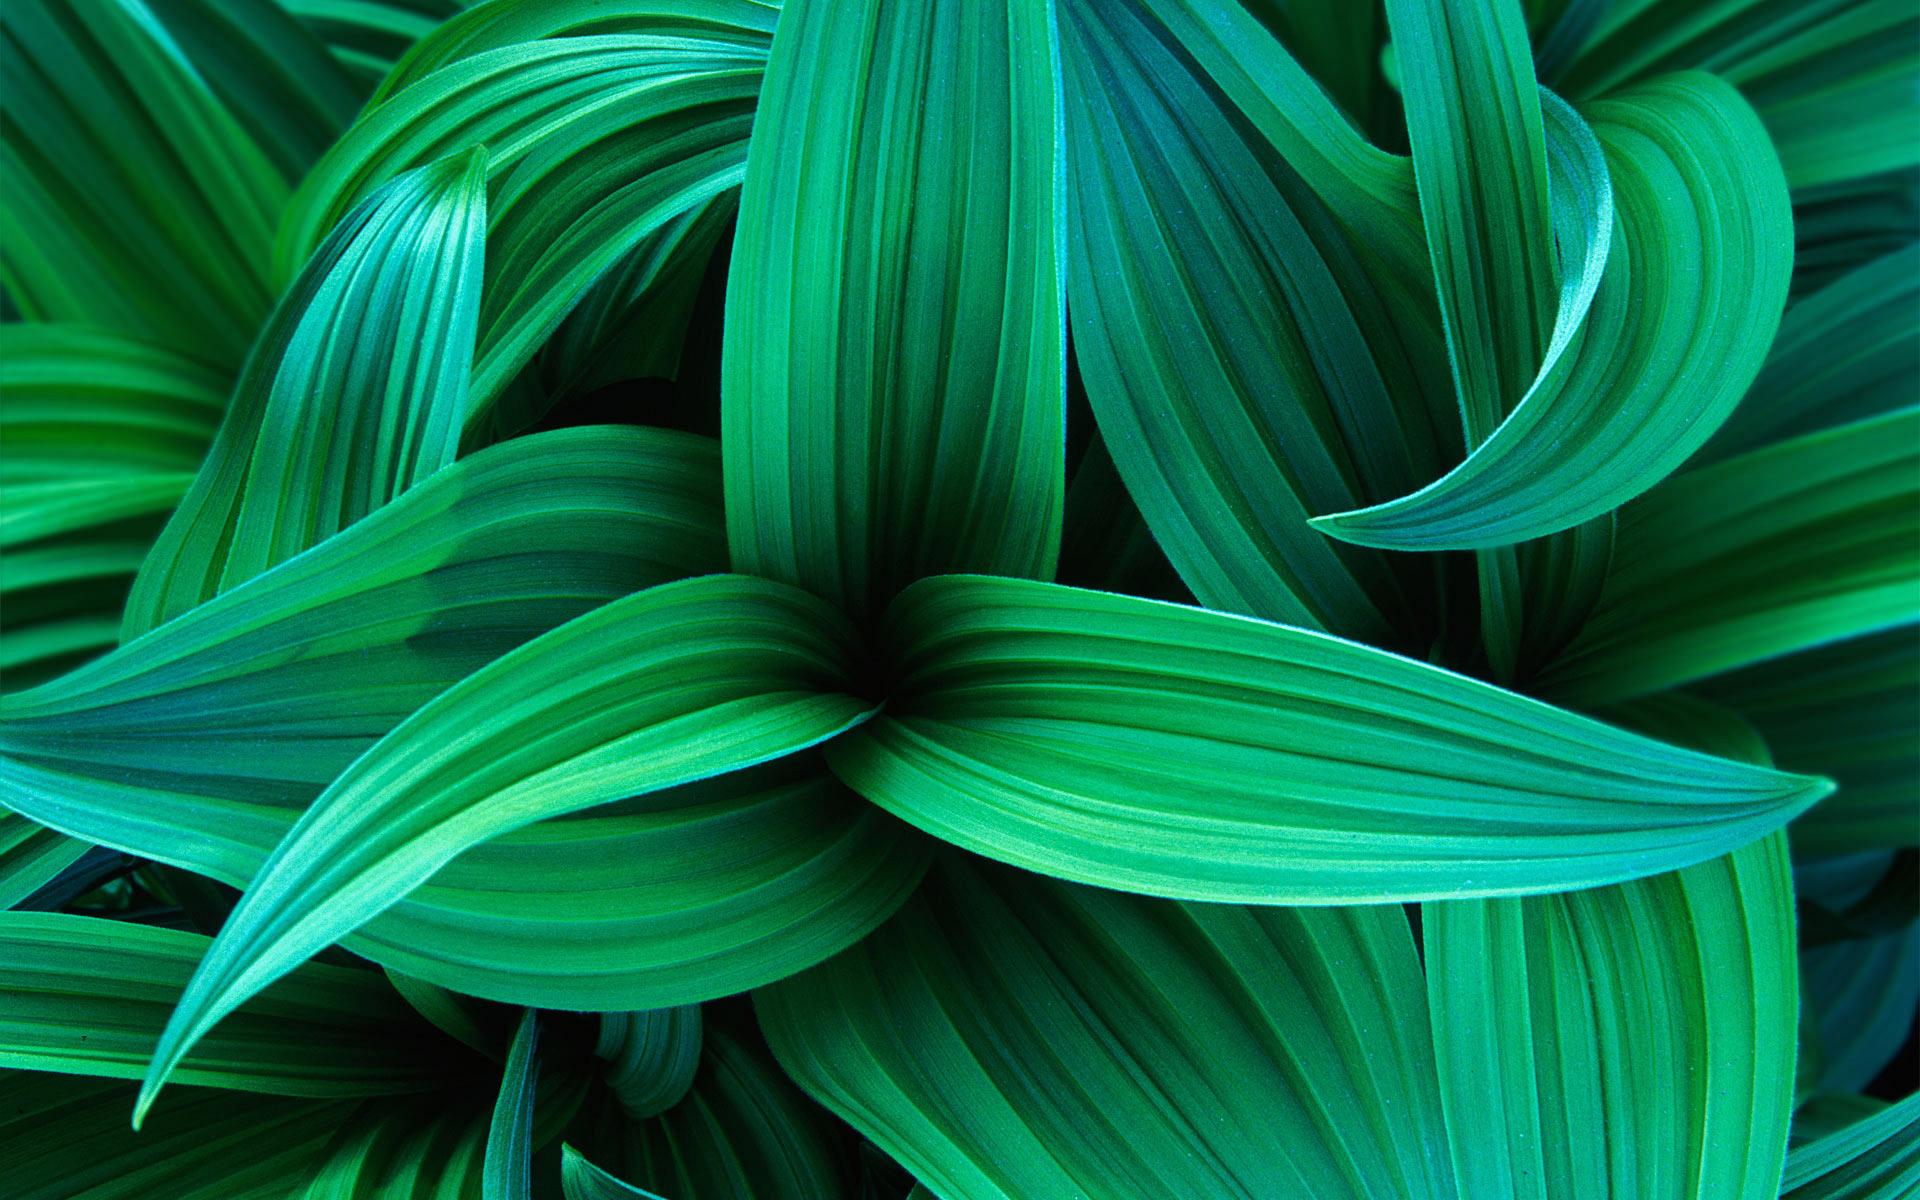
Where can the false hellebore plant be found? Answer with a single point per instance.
(1420, 702)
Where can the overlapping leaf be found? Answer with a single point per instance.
(1007, 1036)
(893, 394)
(1875, 1158)
(89, 996)
(357, 391)
(1806, 542)
(1168, 750)
(1634, 1040)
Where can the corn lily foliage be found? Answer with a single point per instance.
(1212, 598)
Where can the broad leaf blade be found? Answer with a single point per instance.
(893, 388)
(1049, 727)
(84, 995)
(664, 687)
(1008, 1036)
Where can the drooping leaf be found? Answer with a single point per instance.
(357, 392)
(1807, 542)
(664, 687)
(201, 744)
(1632, 1040)
(113, 140)
(893, 384)
(1242, 366)
(1007, 1036)
(88, 996)
(651, 1056)
(1685, 310)
(506, 1171)
(1875, 1158)
(596, 142)
(1051, 727)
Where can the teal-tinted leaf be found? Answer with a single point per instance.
(1846, 352)
(467, 1020)
(432, 1149)
(651, 1056)
(507, 1168)
(743, 1131)
(201, 744)
(357, 392)
(596, 142)
(66, 1138)
(1480, 160)
(31, 856)
(88, 996)
(893, 383)
(581, 1180)
(631, 323)
(1861, 995)
(135, 201)
(1633, 1040)
(663, 687)
(1049, 727)
(1823, 1115)
(1843, 226)
(269, 71)
(103, 433)
(1806, 542)
(1684, 313)
(1006, 1036)
(368, 36)
(1847, 711)
(1875, 1158)
(1243, 368)
(1834, 80)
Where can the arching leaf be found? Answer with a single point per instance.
(1147, 746)
(1008, 1036)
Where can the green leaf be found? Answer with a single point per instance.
(595, 143)
(1848, 711)
(103, 433)
(368, 36)
(66, 1138)
(1846, 352)
(1681, 321)
(581, 1180)
(1807, 542)
(135, 202)
(357, 392)
(88, 996)
(651, 1056)
(1049, 727)
(1875, 1158)
(31, 856)
(1480, 160)
(667, 686)
(1833, 79)
(1633, 1040)
(507, 1169)
(744, 1130)
(1242, 365)
(201, 744)
(433, 1149)
(1861, 994)
(893, 388)
(268, 70)
(1007, 1036)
